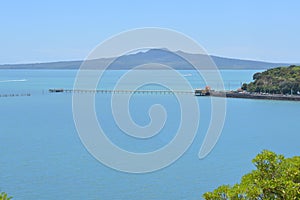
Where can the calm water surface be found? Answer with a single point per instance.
(41, 156)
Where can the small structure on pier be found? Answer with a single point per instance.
(56, 90)
(202, 92)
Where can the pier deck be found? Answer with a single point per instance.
(122, 91)
(227, 94)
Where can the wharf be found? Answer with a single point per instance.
(196, 92)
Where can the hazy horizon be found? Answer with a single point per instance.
(79, 60)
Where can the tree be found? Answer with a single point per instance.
(244, 86)
(275, 177)
(256, 75)
(3, 196)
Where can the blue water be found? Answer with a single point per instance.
(42, 157)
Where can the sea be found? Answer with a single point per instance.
(43, 158)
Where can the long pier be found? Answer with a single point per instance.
(106, 91)
(16, 95)
(196, 92)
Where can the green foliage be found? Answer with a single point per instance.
(281, 80)
(275, 177)
(244, 86)
(3, 196)
(256, 76)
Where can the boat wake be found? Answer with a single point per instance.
(16, 80)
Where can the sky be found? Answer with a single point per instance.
(56, 30)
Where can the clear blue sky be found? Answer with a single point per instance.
(68, 30)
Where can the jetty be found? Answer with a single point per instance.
(263, 96)
(104, 91)
(16, 95)
(196, 92)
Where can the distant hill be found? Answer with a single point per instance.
(152, 56)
